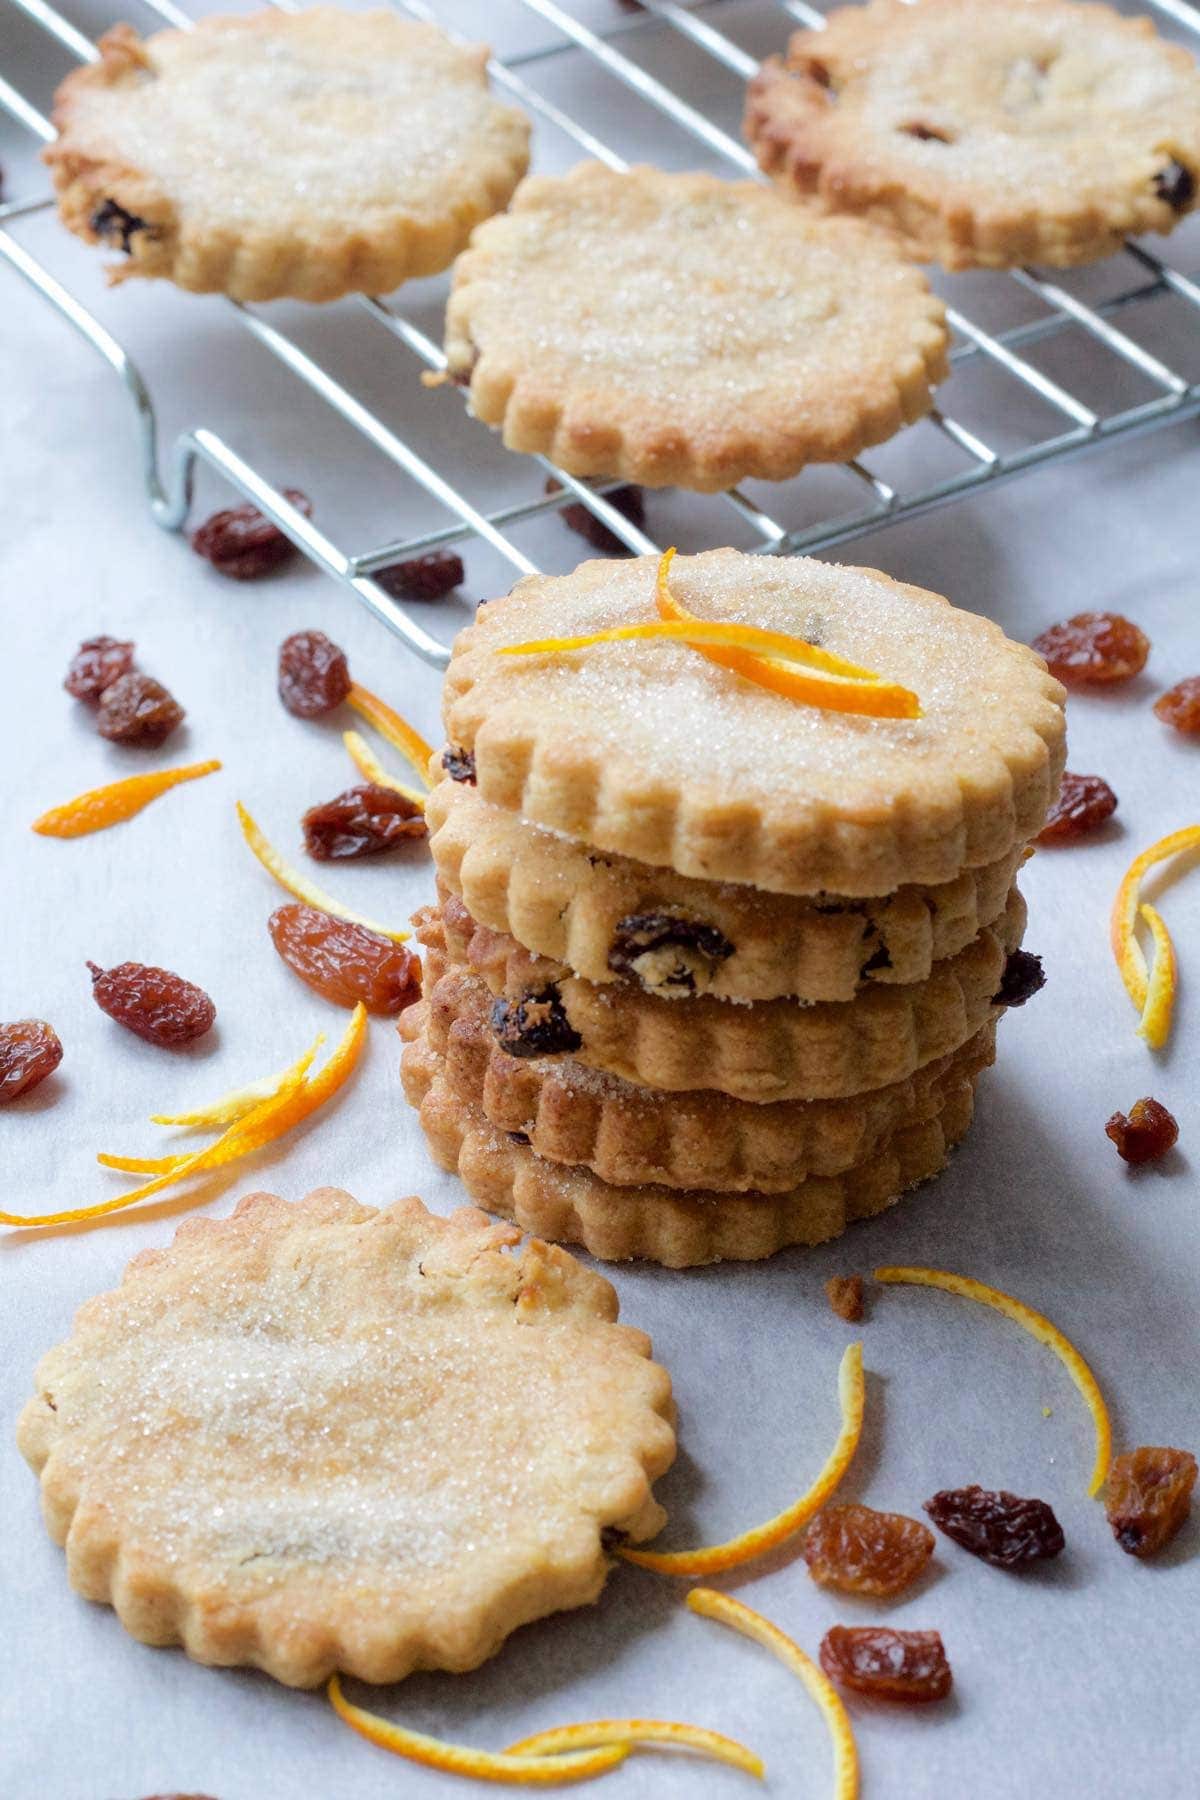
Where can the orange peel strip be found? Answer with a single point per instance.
(640, 1731)
(1164, 979)
(712, 1559)
(671, 607)
(1125, 946)
(865, 693)
(1039, 1327)
(236, 1104)
(263, 1125)
(723, 1607)
(368, 764)
(388, 723)
(300, 886)
(461, 1759)
(112, 805)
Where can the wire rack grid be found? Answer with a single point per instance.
(1075, 425)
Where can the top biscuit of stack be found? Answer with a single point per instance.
(649, 750)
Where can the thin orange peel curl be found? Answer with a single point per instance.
(462, 1759)
(267, 1121)
(1039, 1327)
(1152, 994)
(388, 723)
(728, 1611)
(236, 1104)
(101, 807)
(632, 1732)
(299, 885)
(368, 764)
(712, 1559)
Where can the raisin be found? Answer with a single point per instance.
(1093, 648)
(667, 951)
(96, 664)
(153, 1003)
(1180, 706)
(1149, 1495)
(459, 764)
(1175, 184)
(1023, 977)
(136, 709)
(242, 543)
(627, 500)
(429, 577)
(117, 225)
(29, 1051)
(863, 1551)
(346, 963)
(891, 1665)
(314, 675)
(534, 1025)
(364, 821)
(845, 1295)
(1083, 803)
(1147, 1133)
(518, 1137)
(999, 1527)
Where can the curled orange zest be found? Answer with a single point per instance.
(300, 886)
(388, 723)
(240, 1101)
(714, 1558)
(1039, 1327)
(1154, 1001)
(640, 1731)
(368, 764)
(748, 650)
(266, 1122)
(104, 806)
(460, 1759)
(723, 1607)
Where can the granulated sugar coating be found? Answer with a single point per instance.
(652, 750)
(321, 1437)
(680, 330)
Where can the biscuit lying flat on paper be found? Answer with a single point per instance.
(322, 1437)
(681, 330)
(310, 154)
(610, 919)
(985, 132)
(649, 749)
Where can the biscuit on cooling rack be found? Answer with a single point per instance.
(678, 330)
(320, 1437)
(985, 132)
(310, 154)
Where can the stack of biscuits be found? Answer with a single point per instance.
(713, 971)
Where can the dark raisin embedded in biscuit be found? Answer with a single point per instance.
(1175, 184)
(927, 134)
(667, 952)
(1023, 976)
(459, 764)
(534, 1025)
(118, 226)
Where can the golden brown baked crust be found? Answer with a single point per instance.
(310, 154)
(321, 1437)
(985, 132)
(636, 324)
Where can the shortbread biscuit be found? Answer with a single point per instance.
(985, 132)
(678, 330)
(770, 1050)
(309, 154)
(570, 1113)
(610, 919)
(652, 750)
(321, 1437)
(667, 1225)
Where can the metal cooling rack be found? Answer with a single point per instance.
(1074, 425)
